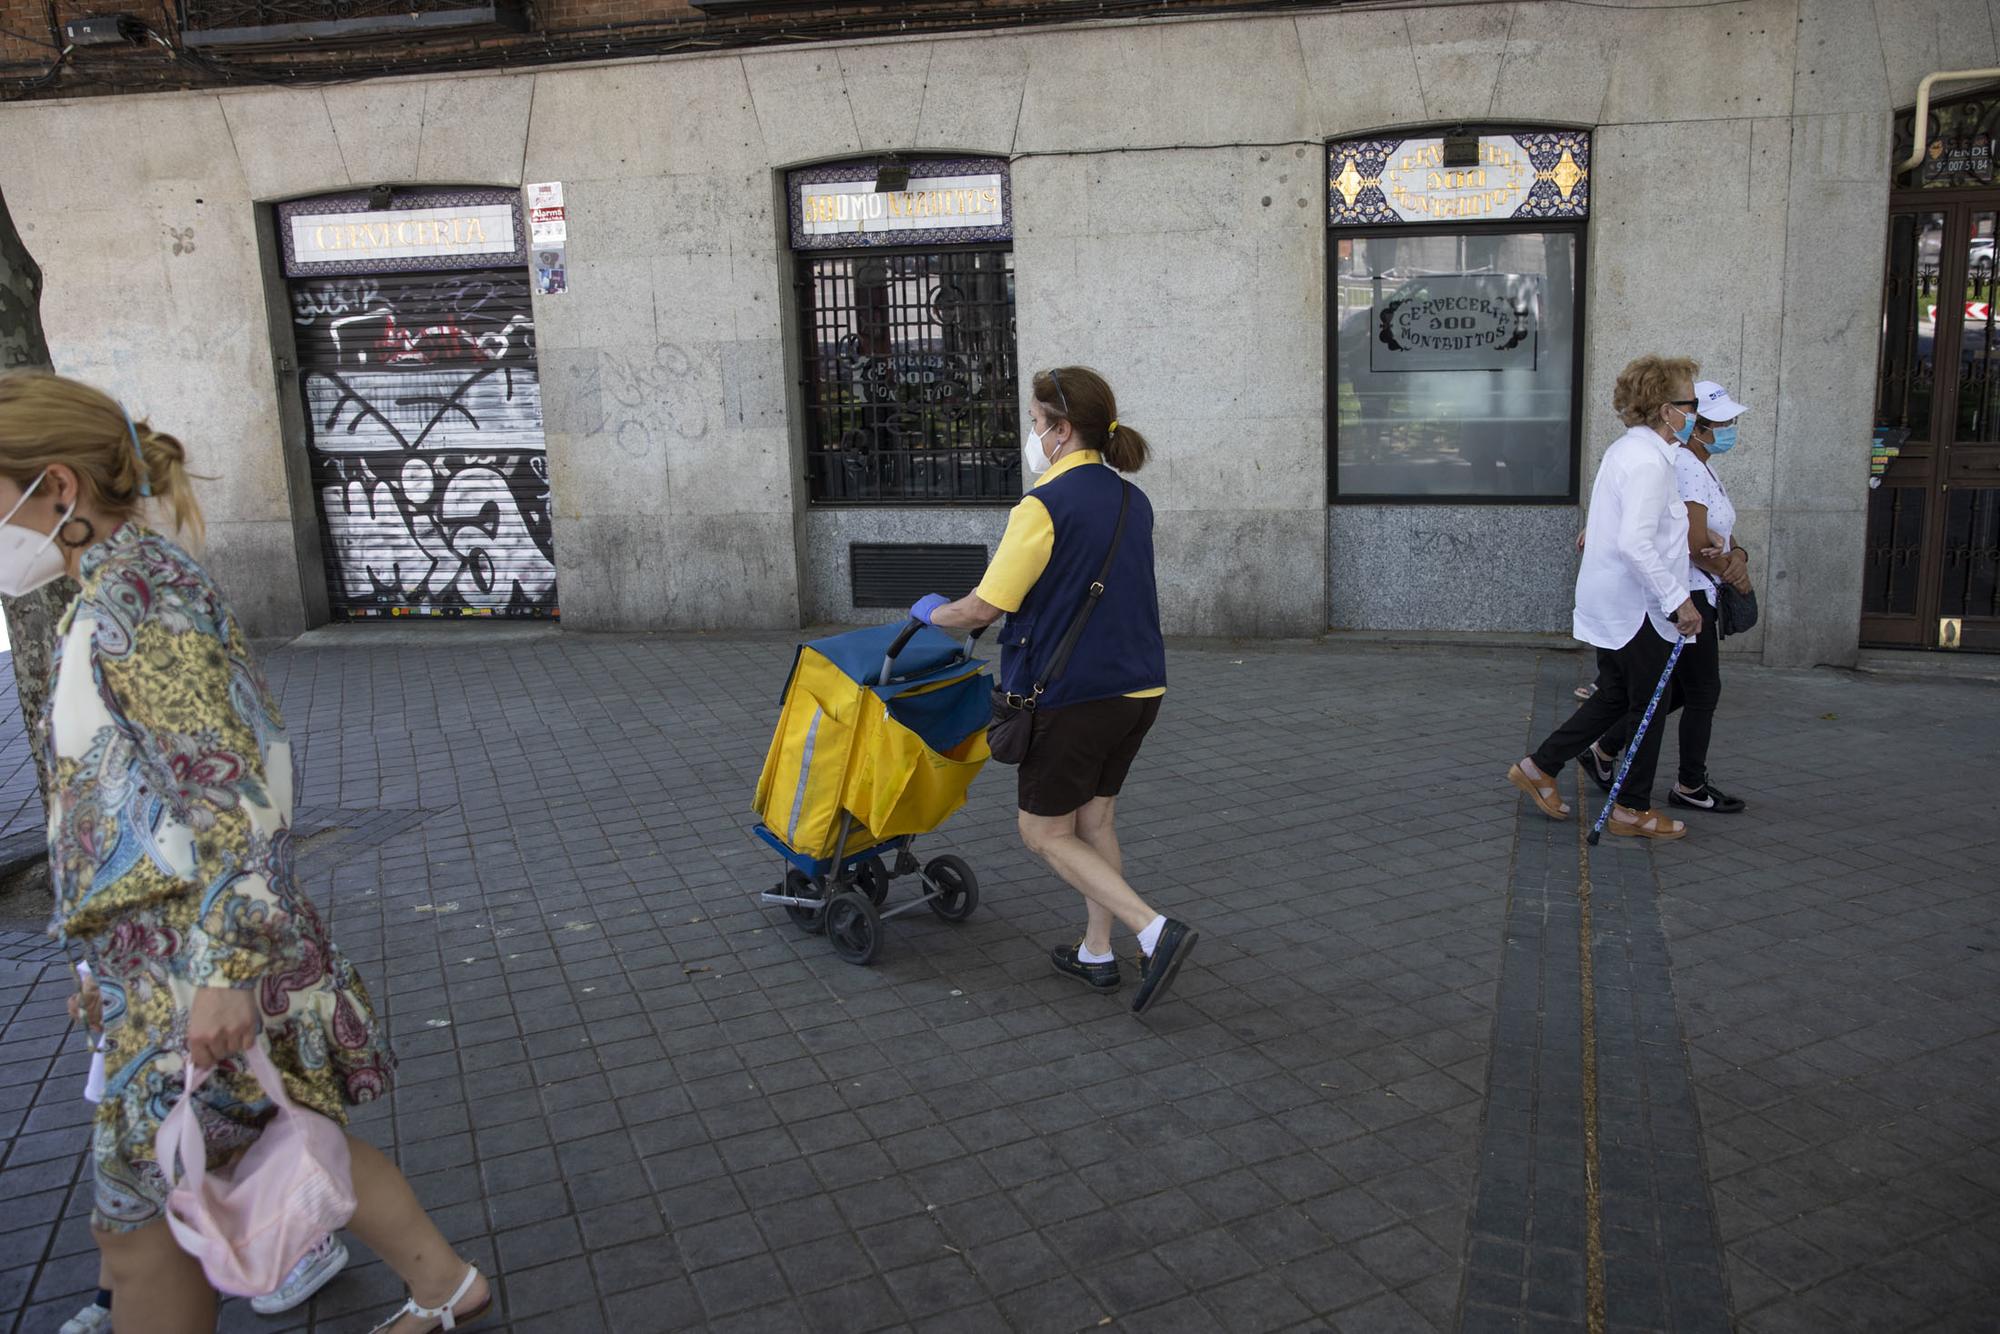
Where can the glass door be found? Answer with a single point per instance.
(1899, 510)
(1932, 577)
(1968, 559)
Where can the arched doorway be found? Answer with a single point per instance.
(1932, 578)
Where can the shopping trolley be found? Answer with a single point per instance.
(880, 734)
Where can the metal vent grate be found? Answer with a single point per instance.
(895, 574)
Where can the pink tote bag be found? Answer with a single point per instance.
(249, 1223)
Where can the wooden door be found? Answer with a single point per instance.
(1934, 515)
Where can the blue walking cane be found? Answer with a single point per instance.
(1632, 747)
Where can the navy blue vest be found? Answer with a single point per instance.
(1121, 650)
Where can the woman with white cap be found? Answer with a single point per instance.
(1714, 559)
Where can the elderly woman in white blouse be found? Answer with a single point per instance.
(1632, 597)
(1715, 558)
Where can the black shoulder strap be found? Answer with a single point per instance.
(1090, 599)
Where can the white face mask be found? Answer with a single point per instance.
(29, 559)
(1034, 455)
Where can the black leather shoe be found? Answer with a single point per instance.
(1601, 771)
(1098, 976)
(1156, 970)
(1707, 797)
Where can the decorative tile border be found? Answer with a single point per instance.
(1553, 182)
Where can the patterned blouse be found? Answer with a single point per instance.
(1700, 486)
(170, 847)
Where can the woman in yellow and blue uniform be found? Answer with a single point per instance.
(1094, 713)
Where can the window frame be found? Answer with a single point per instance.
(805, 332)
(1577, 227)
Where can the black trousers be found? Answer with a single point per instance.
(1625, 680)
(1696, 690)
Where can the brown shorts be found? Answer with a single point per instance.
(1082, 751)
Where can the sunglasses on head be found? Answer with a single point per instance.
(1062, 400)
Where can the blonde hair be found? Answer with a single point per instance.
(1647, 385)
(49, 419)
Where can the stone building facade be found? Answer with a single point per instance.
(711, 416)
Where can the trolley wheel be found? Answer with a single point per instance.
(957, 887)
(872, 878)
(853, 927)
(799, 885)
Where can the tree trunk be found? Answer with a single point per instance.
(31, 620)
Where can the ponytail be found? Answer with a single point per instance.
(1125, 449)
(1081, 397)
(159, 470)
(120, 463)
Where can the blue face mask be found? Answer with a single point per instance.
(1725, 440)
(1685, 431)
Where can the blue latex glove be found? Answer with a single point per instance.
(927, 606)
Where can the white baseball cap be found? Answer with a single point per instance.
(1715, 404)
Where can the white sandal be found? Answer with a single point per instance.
(448, 1319)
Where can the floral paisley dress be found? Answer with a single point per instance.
(170, 848)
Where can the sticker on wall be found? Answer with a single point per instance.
(548, 225)
(1882, 450)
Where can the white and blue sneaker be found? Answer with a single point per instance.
(315, 1269)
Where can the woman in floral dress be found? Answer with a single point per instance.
(170, 847)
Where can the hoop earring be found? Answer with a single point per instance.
(89, 533)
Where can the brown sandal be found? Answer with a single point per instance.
(1544, 793)
(1650, 824)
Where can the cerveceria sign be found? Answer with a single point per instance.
(423, 229)
(944, 201)
(400, 235)
(1456, 322)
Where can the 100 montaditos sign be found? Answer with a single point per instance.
(1456, 322)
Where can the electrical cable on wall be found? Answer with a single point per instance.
(640, 38)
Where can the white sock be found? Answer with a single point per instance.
(1084, 955)
(1149, 939)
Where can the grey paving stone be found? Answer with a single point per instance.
(1315, 1095)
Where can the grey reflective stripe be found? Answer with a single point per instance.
(805, 772)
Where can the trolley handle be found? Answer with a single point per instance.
(902, 640)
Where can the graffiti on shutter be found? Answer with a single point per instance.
(424, 433)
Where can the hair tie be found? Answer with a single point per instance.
(1112, 429)
(145, 473)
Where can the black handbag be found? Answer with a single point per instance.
(1012, 727)
(1734, 612)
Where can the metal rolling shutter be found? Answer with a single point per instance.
(424, 435)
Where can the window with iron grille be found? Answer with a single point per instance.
(905, 282)
(910, 377)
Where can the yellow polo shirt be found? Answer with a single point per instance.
(1025, 548)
